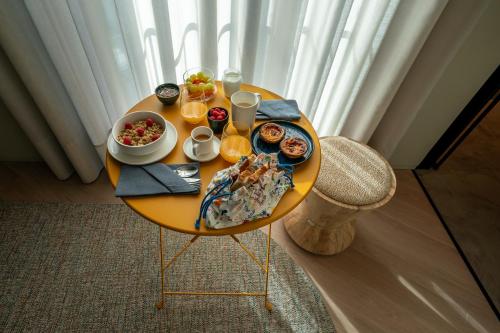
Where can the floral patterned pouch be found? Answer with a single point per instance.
(223, 208)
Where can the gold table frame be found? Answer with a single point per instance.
(158, 209)
(165, 265)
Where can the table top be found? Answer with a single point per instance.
(179, 212)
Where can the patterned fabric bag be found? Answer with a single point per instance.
(246, 191)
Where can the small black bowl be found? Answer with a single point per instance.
(167, 100)
(217, 125)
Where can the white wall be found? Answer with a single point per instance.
(474, 62)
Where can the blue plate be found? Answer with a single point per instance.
(291, 130)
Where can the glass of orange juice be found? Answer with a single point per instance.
(193, 107)
(235, 142)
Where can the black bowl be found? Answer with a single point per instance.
(217, 125)
(167, 100)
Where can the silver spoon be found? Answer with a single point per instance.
(186, 171)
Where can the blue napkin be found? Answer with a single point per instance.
(157, 178)
(279, 109)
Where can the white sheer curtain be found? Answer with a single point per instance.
(109, 54)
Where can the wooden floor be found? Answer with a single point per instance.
(465, 190)
(401, 274)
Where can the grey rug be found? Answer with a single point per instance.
(80, 267)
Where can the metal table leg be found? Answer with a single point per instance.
(161, 303)
(164, 267)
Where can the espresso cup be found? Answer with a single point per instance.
(244, 105)
(202, 139)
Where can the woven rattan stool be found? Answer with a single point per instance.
(353, 178)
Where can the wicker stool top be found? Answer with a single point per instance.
(352, 173)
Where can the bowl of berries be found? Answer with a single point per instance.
(217, 118)
(140, 132)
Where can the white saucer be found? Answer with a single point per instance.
(165, 149)
(188, 150)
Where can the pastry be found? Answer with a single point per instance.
(244, 165)
(248, 177)
(293, 147)
(247, 162)
(259, 172)
(271, 133)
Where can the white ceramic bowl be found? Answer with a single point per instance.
(131, 118)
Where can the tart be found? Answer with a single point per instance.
(271, 133)
(293, 147)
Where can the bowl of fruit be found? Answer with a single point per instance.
(217, 118)
(140, 132)
(200, 82)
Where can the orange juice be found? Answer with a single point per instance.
(233, 147)
(194, 112)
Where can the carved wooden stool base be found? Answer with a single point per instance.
(353, 178)
(320, 227)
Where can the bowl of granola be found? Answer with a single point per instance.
(140, 132)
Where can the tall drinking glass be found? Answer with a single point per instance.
(193, 107)
(235, 142)
(231, 81)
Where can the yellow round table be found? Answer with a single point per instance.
(179, 212)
